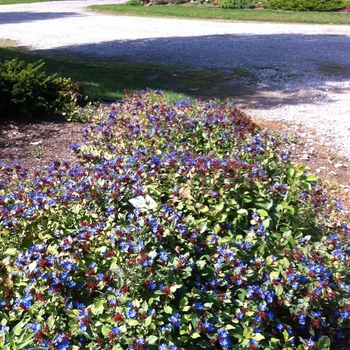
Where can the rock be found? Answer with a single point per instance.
(340, 165)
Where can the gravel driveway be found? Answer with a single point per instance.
(297, 73)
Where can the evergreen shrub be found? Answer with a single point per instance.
(26, 90)
(307, 5)
(237, 4)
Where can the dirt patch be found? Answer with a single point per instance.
(37, 142)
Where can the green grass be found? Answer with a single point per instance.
(99, 79)
(204, 12)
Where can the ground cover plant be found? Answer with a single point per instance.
(207, 12)
(184, 227)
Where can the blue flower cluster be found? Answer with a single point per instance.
(213, 260)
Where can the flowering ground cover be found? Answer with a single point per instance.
(184, 226)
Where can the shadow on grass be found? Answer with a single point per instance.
(226, 66)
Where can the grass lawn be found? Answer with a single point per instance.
(98, 78)
(205, 12)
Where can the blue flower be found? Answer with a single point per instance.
(280, 327)
(116, 330)
(130, 313)
(198, 306)
(163, 256)
(208, 326)
(302, 319)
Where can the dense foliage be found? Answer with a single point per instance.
(133, 3)
(237, 4)
(184, 227)
(307, 5)
(26, 90)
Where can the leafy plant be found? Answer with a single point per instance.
(20, 336)
(133, 3)
(167, 2)
(307, 5)
(185, 226)
(26, 90)
(237, 4)
(37, 150)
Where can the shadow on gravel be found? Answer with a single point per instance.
(296, 68)
(27, 16)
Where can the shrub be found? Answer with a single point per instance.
(184, 227)
(25, 90)
(167, 2)
(237, 4)
(133, 3)
(307, 5)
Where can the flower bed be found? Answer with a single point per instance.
(184, 227)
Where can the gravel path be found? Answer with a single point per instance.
(292, 72)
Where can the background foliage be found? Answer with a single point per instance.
(307, 5)
(26, 90)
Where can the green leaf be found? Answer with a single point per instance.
(14, 347)
(105, 330)
(168, 309)
(195, 335)
(16, 330)
(183, 302)
(50, 321)
(323, 343)
(243, 212)
(203, 209)
(218, 209)
(152, 339)
(279, 289)
(290, 172)
(262, 212)
(201, 264)
(10, 251)
(310, 178)
(26, 341)
(202, 226)
(144, 306)
(148, 321)
(274, 340)
(258, 336)
(136, 303)
(241, 294)
(133, 322)
(238, 336)
(229, 327)
(195, 320)
(117, 347)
